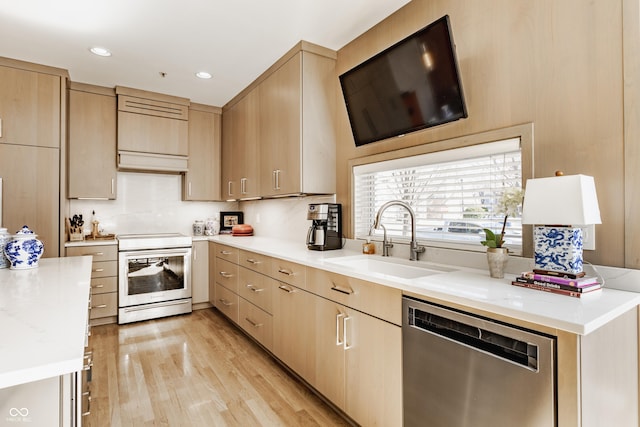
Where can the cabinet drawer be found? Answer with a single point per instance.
(103, 285)
(227, 302)
(103, 305)
(377, 300)
(256, 322)
(104, 269)
(227, 252)
(254, 261)
(288, 272)
(256, 288)
(98, 252)
(227, 274)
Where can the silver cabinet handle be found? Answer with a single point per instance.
(223, 252)
(286, 288)
(97, 286)
(346, 345)
(226, 275)
(113, 186)
(285, 271)
(229, 193)
(96, 254)
(253, 288)
(342, 290)
(0, 128)
(225, 302)
(189, 190)
(87, 395)
(252, 323)
(338, 317)
(252, 261)
(100, 306)
(243, 185)
(98, 270)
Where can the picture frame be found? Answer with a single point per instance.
(229, 219)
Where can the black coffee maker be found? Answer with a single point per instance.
(325, 232)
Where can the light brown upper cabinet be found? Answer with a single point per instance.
(92, 142)
(153, 131)
(29, 107)
(297, 102)
(230, 189)
(202, 180)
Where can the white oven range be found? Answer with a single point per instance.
(154, 277)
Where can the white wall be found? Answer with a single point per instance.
(147, 203)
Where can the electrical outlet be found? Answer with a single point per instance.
(589, 237)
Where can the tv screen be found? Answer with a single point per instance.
(412, 85)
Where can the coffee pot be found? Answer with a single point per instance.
(325, 232)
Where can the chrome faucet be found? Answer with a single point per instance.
(415, 248)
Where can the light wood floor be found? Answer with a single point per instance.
(194, 370)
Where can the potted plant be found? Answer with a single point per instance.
(497, 254)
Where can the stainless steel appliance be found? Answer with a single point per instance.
(154, 276)
(464, 370)
(325, 232)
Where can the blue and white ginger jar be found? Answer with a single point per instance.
(24, 249)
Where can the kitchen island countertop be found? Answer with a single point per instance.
(43, 319)
(467, 287)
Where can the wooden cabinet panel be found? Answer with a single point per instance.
(256, 322)
(29, 108)
(98, 252)
(150, 134)
(378, 300)
(92, 143)
(255, 262)
(228, 253)
(202, 180)
(103, 285)
(229, 188)
(104, 269)
(200, 272)
(104, 305)
(288, 272)
(212, 273)
(294, 329)
(227, 274)
(227, 302)
(256, 288)
(30, 192)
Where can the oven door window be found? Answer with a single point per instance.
(155, 274)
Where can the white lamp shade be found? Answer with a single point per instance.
(561, 200)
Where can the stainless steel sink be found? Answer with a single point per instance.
(392, 267)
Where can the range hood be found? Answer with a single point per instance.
(152, 131)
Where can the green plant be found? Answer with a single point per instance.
(508, 206)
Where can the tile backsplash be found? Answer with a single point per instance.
(152, 203)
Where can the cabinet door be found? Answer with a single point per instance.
(245, 139)
(280, 129)
(330, 362)
(92, 145)
(152, 134)
(294, 329)
(212, 273)
(229, 188)
(29, 108)
(200, 272)
(30, 192)
(373, 359)
(202, 180)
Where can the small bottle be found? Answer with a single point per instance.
(368, 247)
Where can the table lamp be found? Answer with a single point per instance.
(558, 206)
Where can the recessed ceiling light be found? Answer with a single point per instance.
(203, 75)
(100, 51)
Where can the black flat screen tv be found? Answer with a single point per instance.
(412, 85)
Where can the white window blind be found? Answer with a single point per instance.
(452, 192)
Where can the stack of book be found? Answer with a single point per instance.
(573, 285)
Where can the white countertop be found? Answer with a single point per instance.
(43, 319)
(469, 287)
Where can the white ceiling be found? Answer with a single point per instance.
(234, 40)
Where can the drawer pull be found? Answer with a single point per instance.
(337, 288)
(226, 252)
(226, 275)
(346, 346)
(98, 270)
(287, 288)
(252, 261)
(338, 317)
(87, 395)
(97, 286)
(253, 288)
(100, 306)
(252, 323)
(225, 302)
(97, 254)
(285, 271)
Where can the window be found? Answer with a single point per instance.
(452, 192)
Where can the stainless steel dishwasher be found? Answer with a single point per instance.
(461, 370)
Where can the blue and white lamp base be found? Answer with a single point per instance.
(558, 248)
